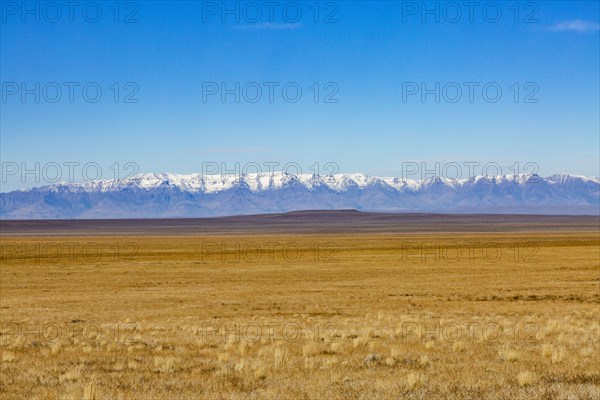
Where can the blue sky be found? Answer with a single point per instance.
(370, 54)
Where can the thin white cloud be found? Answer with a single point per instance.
(219, 150)
(576, 25)
(267, 26)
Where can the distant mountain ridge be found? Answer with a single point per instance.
(195, 195)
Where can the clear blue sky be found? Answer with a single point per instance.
(369, 55)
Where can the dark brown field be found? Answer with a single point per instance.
(312, 222)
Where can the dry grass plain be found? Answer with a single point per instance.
(355, 315)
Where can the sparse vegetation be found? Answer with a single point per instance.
(365, 324)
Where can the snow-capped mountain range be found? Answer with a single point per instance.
(195, 195)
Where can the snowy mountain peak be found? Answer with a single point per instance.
(277, 180)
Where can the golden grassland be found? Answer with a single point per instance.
(345, 316)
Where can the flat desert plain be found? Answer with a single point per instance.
(308, 305)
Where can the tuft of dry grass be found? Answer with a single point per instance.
(8, 356)
(459, 347)
(164, 364)
(414, 380)
(70, 376)
(526, 378)
(510, 355)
